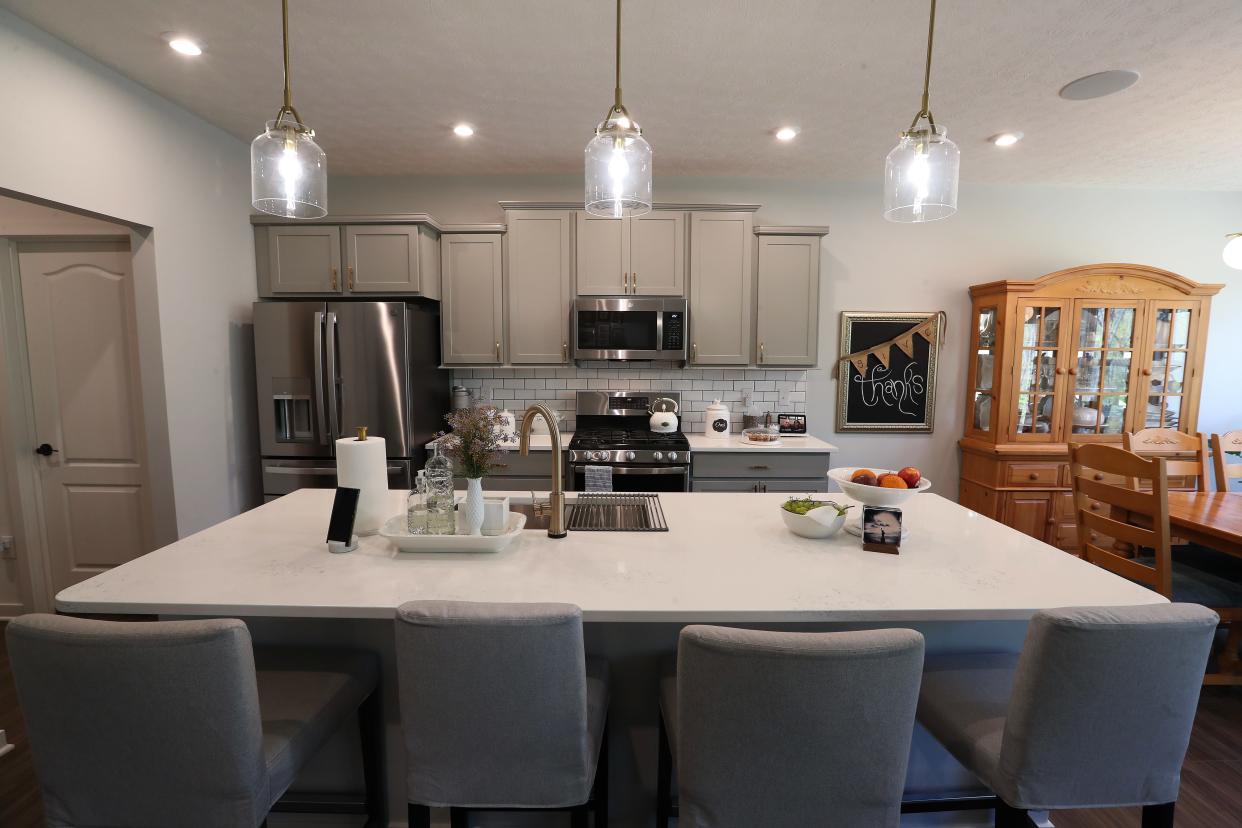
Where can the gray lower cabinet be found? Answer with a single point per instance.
(538, 286)
(787, 329)
(304, 259)
(391, 259)
(721, 288)
(472, 314)
(759, 472)
(516, 473)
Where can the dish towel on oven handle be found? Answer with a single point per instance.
(598, 478)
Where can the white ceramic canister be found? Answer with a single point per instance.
(716, 420)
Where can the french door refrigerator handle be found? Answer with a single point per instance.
(333, 405)
(319, 390)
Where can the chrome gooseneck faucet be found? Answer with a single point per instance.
(556, 499)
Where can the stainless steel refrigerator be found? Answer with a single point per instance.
(325, 368)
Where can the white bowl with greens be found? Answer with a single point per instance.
(811, 518)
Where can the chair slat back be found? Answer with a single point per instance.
(1174, 446)
(1137, 515)
(1229, 442)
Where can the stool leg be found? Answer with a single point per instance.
(600, 797)
(459, 818)
(664, 779)
(420, 816)
(1158, 816)
(579, 816)
(371, 732)
(1010, 817)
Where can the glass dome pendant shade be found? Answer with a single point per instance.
(921, 172)
(288, 170)
(618, 160)
(1232, 254)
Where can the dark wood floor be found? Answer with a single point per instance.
(1211, 778)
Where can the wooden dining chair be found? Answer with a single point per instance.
(1174, 446)
(1138, 515)
(1229, 442)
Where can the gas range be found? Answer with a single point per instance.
(612, 429)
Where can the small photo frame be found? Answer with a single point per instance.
(791, 423)
(881, 528)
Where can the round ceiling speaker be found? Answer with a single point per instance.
(1099, 85)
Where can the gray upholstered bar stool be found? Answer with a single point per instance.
(1096, 712)
(501, 710)
(147, 725)
(788, 729)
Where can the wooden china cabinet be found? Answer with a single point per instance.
(1082, 354)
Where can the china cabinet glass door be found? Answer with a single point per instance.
(1167, 374)
(1102, 368)
(1040, 373)
(982, 370)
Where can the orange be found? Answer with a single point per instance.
(892, 481)
(861, 473)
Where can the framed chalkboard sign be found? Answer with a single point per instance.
(886, 376)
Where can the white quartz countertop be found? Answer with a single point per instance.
(735, 442)
(726, 558)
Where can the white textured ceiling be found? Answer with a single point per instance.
(383, 81)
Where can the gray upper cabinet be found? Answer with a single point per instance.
(644, 255)
(392, 259)
(787, 332)
(472, 314)
(721, 287)
(539, 287)
(602, 247)
(304, 259)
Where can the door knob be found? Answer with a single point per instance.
(46, 450)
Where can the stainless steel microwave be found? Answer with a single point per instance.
(630, 328)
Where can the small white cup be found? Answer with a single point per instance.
(495, 515)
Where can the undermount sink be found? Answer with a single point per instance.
(533, 521)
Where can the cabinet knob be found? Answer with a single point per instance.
(1099, 476)
(1095, 507)
(1033, 476)
(498, 352)
(761, 352)
(565, 351)
(350, 276)
(1147, 372)
(1060, 372)
(760, 468)
(334, 278)
(1073, 372)
(694, 352)
(633, 283)
(625, 281)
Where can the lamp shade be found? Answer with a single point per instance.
(920, 177)
(618, 170)
(288, 172)
(1232, 254)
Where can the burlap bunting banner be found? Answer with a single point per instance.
(930, 329)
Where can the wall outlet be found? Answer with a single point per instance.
(7, 550)
(783, 403)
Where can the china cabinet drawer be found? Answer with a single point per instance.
(1067, 477)
(1036, 475)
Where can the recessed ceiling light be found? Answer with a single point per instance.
(183, 45)
(463, 130)
(786, 134)
(1099, 84)
(1006, 139)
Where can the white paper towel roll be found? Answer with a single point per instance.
(363, 465)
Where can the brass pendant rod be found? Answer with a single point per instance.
(287, 107)
(617, 90)
(925, 109)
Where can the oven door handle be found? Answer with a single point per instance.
(640, 470)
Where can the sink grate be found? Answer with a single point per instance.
(611, 512)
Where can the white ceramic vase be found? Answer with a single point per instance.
(472, 508)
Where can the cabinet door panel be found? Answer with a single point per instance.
(658, 254)
(1103, 369)
(305, 259)
(721, 285)
(1167, 381)
(602, 255)
(538, 286)
(471, 317)
(382, 259)
(1040, 369)
(1028, 512)
(788, 298)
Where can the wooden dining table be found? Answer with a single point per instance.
(1211, 519)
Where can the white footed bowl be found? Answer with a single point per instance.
(874, 495)
(808, 527)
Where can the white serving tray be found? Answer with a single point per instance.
(395, 530)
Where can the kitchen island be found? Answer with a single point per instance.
(966, 581)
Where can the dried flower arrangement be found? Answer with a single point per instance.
(476, 440)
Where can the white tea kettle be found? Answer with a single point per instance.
(664, 421)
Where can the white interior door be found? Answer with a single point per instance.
(78, 302)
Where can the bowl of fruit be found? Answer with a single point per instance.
(813, 518)
(879, 487)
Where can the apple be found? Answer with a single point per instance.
(911, 475)
(892, 481)
(864, 476)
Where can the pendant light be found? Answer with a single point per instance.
(288, 170)
(1232, 254)
(920, 174)
(618, 159)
